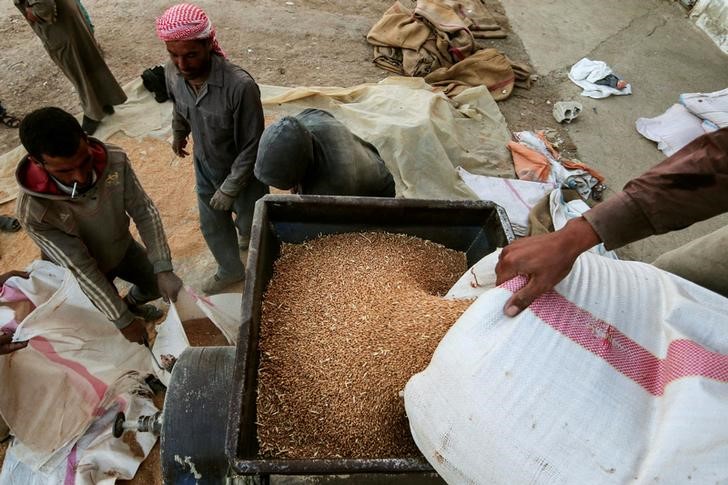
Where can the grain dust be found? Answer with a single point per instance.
(346, 321)
(130, 439)
(201, 332)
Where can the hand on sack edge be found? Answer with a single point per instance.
(169, 285)
(7, 345)
(545, 259)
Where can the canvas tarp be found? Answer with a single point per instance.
(421, 135)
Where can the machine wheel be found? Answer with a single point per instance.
(194, 420)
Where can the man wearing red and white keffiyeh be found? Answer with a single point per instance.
(219, 104)
(187, 22)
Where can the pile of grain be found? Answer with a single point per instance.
(347, 320)
(201, 332)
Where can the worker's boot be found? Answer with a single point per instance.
(148, 312)
(215, 284)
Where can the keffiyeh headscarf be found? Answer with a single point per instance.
(187, 22)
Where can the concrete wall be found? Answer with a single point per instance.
(712, 17)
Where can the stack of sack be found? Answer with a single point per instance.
(437, 41)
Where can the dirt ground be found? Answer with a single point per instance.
(287, 43)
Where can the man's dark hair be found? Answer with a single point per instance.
(50, 131)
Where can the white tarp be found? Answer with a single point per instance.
(695, 115)
(587, 72)
(517, 197)
(61, 392)
(712, 17)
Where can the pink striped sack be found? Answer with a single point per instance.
(61, 393)
(618, 375)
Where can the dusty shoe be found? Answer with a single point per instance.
(148, 312)
(89, 125)
(215, 284)
(108, 109)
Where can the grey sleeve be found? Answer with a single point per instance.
(146, 217)
(180, 128)
(249, 125)
(71, 253)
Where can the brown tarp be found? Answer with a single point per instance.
(437, 41)
(486, 67)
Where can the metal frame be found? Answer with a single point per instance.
(475, 227)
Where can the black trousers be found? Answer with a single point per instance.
(135, 268)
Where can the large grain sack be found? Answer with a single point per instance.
(619, 375)
(61, 393)
(217, 313)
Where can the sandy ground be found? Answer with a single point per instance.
(288, 43)
(311, 42)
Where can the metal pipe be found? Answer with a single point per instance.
(144, 424)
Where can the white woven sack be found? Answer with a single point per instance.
(619, 375)
(223, 310)
(61, 393)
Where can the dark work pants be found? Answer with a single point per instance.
(219, 227)
(135, 268)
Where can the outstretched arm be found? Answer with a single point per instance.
(690, 186)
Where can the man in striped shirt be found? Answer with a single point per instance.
(76, 197)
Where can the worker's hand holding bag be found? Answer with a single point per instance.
(169, 285)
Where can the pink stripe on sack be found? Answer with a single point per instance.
(204, 299)
(71, 464)
(44, 346)
(9, 294)
(685, 358)
(510, 186)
